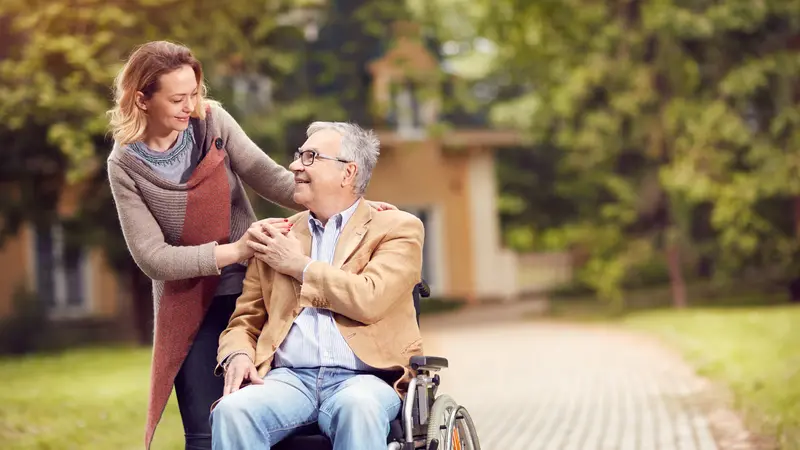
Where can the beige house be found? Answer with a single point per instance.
(444, 175)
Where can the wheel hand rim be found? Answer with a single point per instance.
(451, 429)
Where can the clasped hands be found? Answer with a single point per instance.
(269, 241)
(272, 244)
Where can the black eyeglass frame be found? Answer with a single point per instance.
(300, 154)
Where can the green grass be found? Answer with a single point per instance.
(81, 399)
(755, 352)
(435, 305)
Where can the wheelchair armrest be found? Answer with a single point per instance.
(432, 363)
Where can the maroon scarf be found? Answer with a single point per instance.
(185, 302)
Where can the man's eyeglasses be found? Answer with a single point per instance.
(307, 157)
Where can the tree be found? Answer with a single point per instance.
(662, 110)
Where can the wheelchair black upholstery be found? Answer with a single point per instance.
(313, 439)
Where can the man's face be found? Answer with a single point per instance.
(324, 178)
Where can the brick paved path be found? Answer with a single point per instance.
(541, 385)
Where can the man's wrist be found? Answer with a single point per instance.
(300, 268)
(229, 359)
(303, 274)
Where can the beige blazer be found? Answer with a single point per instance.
(377, 262)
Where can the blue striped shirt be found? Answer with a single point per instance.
(314, 340)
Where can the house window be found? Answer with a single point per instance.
(405, 112)
(61, 273)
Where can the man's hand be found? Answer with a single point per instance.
(240, 369)
(283, 253)
(239, 250)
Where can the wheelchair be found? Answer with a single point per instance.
(426, 421)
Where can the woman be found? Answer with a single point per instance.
(176, 173)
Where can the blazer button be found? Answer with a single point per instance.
(218, 143)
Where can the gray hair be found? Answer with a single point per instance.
(358, 145)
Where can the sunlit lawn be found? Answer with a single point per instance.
(82, 399)
(755, 351)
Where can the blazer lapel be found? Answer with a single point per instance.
(303, 234)
(353, 233)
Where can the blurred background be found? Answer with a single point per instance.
(627, 163)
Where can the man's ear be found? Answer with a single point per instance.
(350, 172)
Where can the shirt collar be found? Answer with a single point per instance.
(339, 219)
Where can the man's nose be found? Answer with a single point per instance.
(296, 166)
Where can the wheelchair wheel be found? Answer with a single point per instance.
(461, 432)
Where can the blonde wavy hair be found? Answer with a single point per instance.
(141, 73)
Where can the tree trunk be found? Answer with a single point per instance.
(676, 280)
(794, 283)
(142, 306)
(797, 216)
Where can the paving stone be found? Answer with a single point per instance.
(532, 385)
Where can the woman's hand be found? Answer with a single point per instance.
(381, 206)
(238, 251)
(278, 223)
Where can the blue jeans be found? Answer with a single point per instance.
(353, 409)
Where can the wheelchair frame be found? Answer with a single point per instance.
(421, 397)
(418, 402)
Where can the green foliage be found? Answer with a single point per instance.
(660, 110)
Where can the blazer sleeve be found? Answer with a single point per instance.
(248, 318)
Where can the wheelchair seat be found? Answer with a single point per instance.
(312, 438)
(425, 420)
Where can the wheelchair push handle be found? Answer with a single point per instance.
(424, 289)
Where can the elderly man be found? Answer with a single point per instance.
(326, 320)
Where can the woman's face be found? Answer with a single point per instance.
(169, 108)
